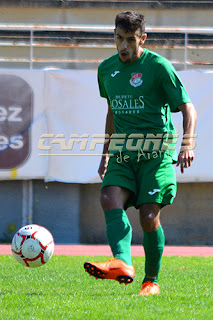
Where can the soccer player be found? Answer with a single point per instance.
(142, 89)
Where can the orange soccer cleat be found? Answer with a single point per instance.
(114, 269)
(148, 288)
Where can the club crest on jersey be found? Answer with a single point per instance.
(136, 79)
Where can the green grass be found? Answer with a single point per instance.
(62, 290)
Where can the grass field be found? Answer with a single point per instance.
(62, 290)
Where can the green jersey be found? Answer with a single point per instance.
(142, 94)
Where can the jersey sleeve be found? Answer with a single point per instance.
(173, 89)
(101, 86)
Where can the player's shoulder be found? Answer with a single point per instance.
(108, 64)
(157, 60)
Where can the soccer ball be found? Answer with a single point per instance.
(32, 246)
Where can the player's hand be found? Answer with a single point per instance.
(103, 166)
(185, 159)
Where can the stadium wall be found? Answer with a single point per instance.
(104, 16)
(15, 53)
(73, 214)
(188, 221)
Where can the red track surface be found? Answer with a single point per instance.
(104, 250)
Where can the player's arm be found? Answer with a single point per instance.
(186, 155)
(109, 130)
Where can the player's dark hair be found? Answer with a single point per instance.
(130, 21)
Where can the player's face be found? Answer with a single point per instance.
(129, 44)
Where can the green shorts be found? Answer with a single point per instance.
(151, 177)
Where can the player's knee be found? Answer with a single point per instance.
(107, 201)
(147, 218)
(149, 222)
(103, 200)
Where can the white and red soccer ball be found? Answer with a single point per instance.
(33, 245)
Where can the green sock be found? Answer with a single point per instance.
(119, 234)
(153, 243)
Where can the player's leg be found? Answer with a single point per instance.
(119, 236)
(118, 228)
(118, 185)
(157, 189)
(153, 242)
